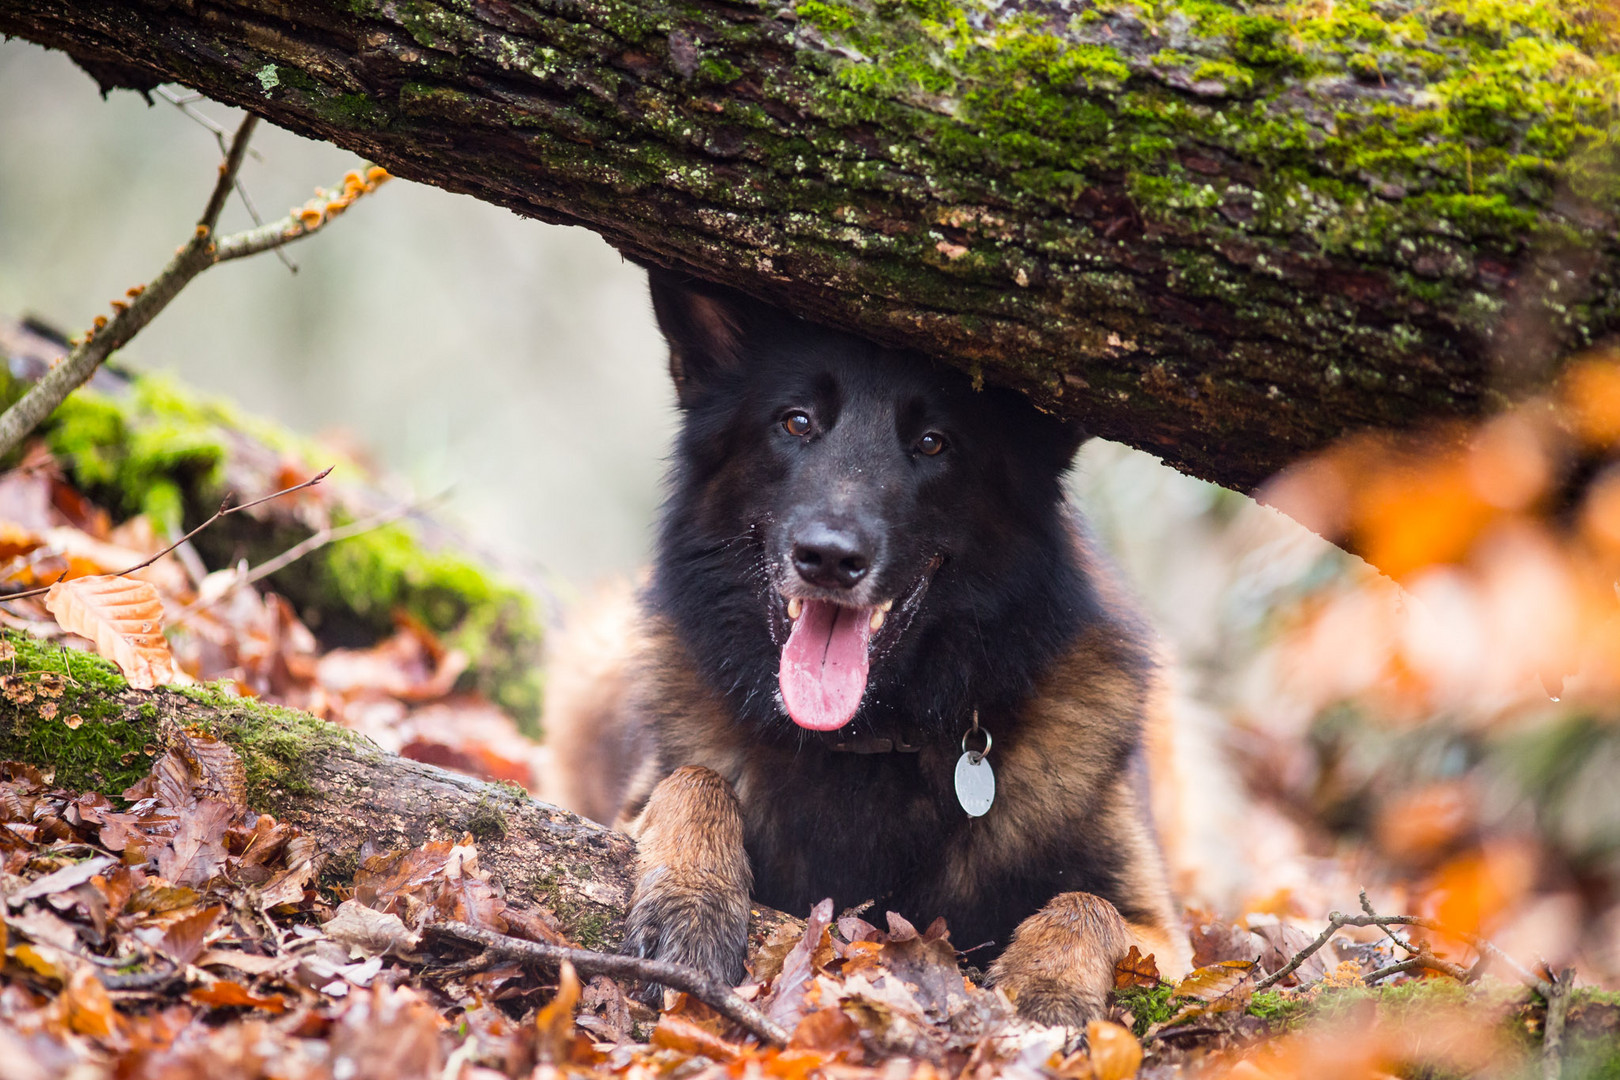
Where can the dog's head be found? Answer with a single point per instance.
(852, 529)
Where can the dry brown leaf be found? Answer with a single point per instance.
(675, 1033)
(87, 1007)
(124, 618)
(1116, 1054)
(1134, 969)
(1209, 983)
(554, 1024)
(226, 992)
(216, 770)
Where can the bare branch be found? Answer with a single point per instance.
(712, 992)
(225, 509)
(1552, 1038)
(314, 542)
(1338, 920)
(227, 175)
(195, 256)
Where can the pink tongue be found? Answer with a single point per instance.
(824, 665)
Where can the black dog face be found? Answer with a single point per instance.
(856, 536)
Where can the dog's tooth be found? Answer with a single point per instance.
(795, 607)
(877, 619)
(887, 606)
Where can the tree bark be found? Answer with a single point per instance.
(334, 784)
(1225, 237)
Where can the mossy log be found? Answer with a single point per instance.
(332, 783)
(1222, 233)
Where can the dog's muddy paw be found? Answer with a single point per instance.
(1060, 965)
(706, 929)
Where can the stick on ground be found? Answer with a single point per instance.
(712, 992)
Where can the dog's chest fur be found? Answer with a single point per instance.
(887, 827)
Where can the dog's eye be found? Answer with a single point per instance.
(796, 422)
(931, 443)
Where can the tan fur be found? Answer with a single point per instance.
(588, 675)
(1060, 965)
(690, 902)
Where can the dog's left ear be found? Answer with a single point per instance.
(707, 327)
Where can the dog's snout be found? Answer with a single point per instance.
(831, 558)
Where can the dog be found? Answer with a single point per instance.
(868, 593)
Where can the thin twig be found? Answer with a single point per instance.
(711, 991)
(184, 105)
(200, 252)
(227, 177)
(1338, 920)
(1552, 1038)
(1334, 923)
(314, 542)
(225, 510)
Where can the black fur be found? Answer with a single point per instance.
(1008, 596)
(1006, 599)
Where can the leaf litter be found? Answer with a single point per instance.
(176, 933)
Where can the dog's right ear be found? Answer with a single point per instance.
(706, 326)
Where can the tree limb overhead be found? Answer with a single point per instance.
(1222, 233)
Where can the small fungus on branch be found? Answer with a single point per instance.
(143, 302)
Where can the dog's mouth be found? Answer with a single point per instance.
(828, 651)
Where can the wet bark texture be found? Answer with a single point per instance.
(1220, 234)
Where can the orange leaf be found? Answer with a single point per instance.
(1134, 969)
(87, 1006)
(124, 618)
(1115, 1052)
(1214, 981)
(225, 992)
(555, 1022)
(673, 1033)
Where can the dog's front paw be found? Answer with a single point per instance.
(1060, 965)
(692, 879)
(687, 920)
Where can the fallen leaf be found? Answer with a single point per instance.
(554, 1023)
(224, 992)
(1134, 969)
(87, 1007)
(786, 1003)
(367, 932)
(1116, 1054)
(64, 879)
(124, 618)
(674, 1033)
(1209, 983)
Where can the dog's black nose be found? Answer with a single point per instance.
(830, 558)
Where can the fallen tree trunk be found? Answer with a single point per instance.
(335, 785)
(1222, 235)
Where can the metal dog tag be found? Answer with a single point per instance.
(975, 784)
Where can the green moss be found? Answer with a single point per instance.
(590, 929)
(487, 821)
(273, 742)
(1150, 1005)
(98, 754)
(496, 626)
(1489, 110)
(105, 754)
(163, 451)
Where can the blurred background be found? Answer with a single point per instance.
(1335, 730)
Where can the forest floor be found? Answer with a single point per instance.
(170, 930)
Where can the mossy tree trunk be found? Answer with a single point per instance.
(1222, 234)
(334, 784)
